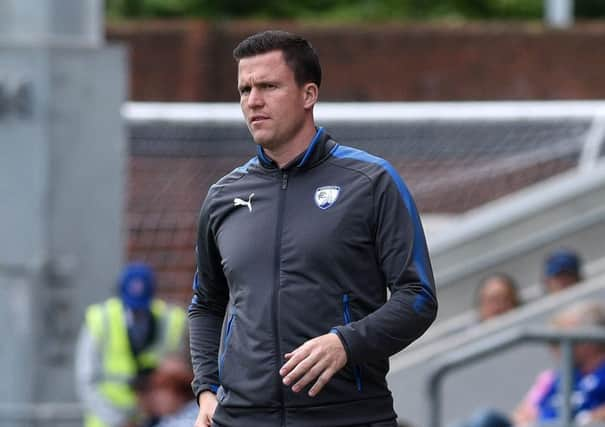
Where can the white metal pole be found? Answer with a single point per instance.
(595, 138)
(559, 13)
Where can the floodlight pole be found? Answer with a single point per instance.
(62, 162)
(559, 13)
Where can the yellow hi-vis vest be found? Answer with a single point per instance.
(107, 325)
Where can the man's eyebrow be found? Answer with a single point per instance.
(267, 82)
(263, 81)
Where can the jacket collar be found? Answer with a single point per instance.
(319, 147)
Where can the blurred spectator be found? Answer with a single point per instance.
(589, 364)
(496, 295)
(141, 385)
(562, 269)
(165, 396)
(121, 337)
(543, 401)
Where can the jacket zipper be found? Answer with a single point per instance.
(284, 180)
(347, 320)
(276, 312)
(228, 332)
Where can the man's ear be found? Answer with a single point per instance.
(311, 94)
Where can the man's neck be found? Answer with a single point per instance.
(284, 154)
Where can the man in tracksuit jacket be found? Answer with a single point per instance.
(290, 322)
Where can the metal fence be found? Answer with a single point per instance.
(490, 346)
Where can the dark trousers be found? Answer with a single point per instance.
(389, 423)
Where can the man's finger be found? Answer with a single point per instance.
(294, 358)
(312, 373)
(202, 420)
(322, 380)
(301, 368)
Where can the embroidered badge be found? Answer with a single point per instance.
(326, 196)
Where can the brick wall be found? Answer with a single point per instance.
(191, 60)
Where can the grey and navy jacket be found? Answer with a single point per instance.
(285, 255)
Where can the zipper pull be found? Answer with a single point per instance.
(284, 180)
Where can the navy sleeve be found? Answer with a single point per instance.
(207, 309)
(404, 261)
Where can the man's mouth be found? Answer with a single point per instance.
(256, 119)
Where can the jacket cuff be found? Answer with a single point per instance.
(205, 387)
(344, 342)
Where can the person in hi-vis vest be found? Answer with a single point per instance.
(120, 338)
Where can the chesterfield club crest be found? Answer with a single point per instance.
(326, 196)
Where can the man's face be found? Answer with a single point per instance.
(495, 298)
(583, 352)
(272, 102)
(560, 281)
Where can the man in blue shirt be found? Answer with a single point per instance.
(588, 392)
(542, 404)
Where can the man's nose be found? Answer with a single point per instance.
(255, 98)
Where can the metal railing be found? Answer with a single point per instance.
(488, 347)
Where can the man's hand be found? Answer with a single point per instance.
(319, 358)
(207, 401)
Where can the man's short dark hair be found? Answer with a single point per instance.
(298, 53)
